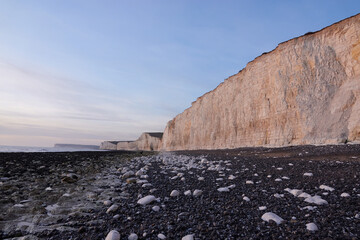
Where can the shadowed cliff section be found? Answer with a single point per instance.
(305, 91)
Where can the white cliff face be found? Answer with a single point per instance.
(108, 145)
(146, 142)
(127, 145)
(306, 91)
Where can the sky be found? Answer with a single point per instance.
(85, 71)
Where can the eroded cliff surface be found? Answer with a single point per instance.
(306, 91)
(148, 141)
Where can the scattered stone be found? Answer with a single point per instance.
(223, 189)
(311, 227)
(128, 174)
(201, 178)
(70, 178)
(246, 199)
(91, 195)
(133, 236)
(19, 205)
(345, 195)
(304, 195)
(143, 181)
(113, 208)
(161, 236)
(326, 188)
(277, 195)
(197, 192)
(146, 185)
(249, 182)
(271, 216)
(187, 193)
(156, 208)
(141, 172)
(78, 215)
(113, 235)
(308, 174)
(146, 200)
(295, 192)
(48, 189)
(174, 193)
(316, 199)
(310, 208)
(188, 237)
(130, 180)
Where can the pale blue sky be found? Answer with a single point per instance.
(76, 71)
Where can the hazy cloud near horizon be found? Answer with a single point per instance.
(43, 105)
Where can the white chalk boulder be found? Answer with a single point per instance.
(174, 193)
(113, 235)
(146, 200)
(311, 227)
(272, 216)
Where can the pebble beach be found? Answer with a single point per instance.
(303, 192)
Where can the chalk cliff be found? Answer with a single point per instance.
(149, 141)
(108, 145)
(127, 145)
(305, 91)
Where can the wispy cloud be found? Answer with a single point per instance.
(43, 105)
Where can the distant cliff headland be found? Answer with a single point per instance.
(305, 91)
(146, 142)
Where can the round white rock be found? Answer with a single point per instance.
(113, 235)
(156, 208)
(271, 216)
(311, 227)
(113, 208)
(197, 192)
(146, 200)
(133, 236)
(188, 237)
(174, 193)
(161, 236)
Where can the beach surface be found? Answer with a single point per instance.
(310, 192)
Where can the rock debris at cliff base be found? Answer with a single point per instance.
(175, 195)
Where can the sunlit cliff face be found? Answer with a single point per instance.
(306, 91)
